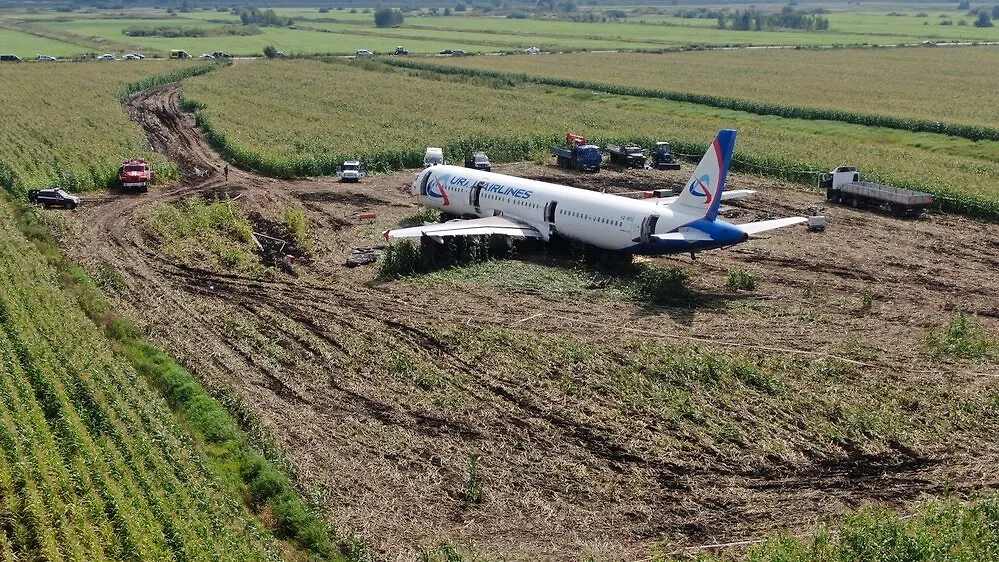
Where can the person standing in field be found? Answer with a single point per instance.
(225, 172)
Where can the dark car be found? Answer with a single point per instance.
(446, 52)
(53, 198)
(479, 161)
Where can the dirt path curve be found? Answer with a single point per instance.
(389, 456)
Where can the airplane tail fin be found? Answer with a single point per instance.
(702, 194)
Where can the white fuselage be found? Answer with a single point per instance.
(603, 220)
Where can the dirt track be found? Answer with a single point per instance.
(387, 464)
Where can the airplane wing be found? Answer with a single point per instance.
(727, 195)
(471, 227)
(752, 228)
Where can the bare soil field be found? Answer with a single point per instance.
(335, 363)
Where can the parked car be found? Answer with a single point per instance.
(206, 56)
(179, 54)
(532, 50)
(280, 54)
(400, 50)
(364, 53)
(221, 55)
(351, 171)
(458, 53)
(446, 52)
(53, 198)
(107, 56)
(131, 56)
(479, 161)
(10, 58)
(46, 58)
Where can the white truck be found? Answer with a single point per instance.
(351, 171)
(433, 156)
(843, 185)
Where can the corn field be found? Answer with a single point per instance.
(92, 464)
(943, 87)
(291, 118)
(65, 126)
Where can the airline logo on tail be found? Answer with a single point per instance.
(700, 187)
(703, 193)
(435, 187)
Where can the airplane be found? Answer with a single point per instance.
(517, 207)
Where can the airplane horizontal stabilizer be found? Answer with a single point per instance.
(752, 228)
(472, 227)
(687, 235)
(733, 194)
(727, 195)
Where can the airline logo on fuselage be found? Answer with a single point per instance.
(435, 187)
(699, 187)
(497, 188)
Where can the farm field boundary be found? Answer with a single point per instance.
(513, 149)
(85, 44)
(133, 88)
(970, 132)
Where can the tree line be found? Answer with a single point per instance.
(753, 19)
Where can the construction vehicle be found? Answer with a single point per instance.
(630, 156)
(135, 174)
(843, 185)
(579, 156)
(662, 157)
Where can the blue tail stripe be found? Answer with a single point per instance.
(724, 145)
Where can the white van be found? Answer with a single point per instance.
(433, 156)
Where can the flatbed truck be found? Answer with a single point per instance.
(843, 185)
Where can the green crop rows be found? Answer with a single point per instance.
(700, 77)
(947, 87)
(92, 464)
(328, 112)
(70, 130)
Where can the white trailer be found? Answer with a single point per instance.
(843, 185)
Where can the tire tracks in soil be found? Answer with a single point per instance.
(322, 319)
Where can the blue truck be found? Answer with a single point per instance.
(579, 156)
